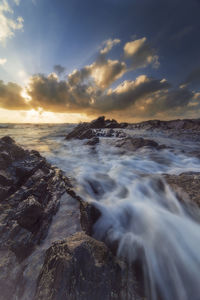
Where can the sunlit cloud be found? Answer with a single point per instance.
(108, 45)
(141, 53)
(3, 61)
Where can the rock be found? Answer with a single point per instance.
(102, 123)
(30, 191)
(29, 213)
(186, 186)
(79, 267)
(176, 125)
(89, 215)
(98, 123)
(82, 131)
(132, 144)
(90, 130)
(93, 141)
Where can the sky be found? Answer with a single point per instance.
(74, 60)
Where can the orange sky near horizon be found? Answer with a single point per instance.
(34, 116)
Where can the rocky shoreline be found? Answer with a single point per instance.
(79, 266)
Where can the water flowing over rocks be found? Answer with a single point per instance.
(78, 267)
(88, 239)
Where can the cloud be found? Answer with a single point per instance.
(8, 25)
(59, 69)
(78, 95)
(103, 72)
(128, 93)
(140, 53)
(48, 93)
(3, 61)
(143, 98)
(106, 72)
(90, 91)
(10, 97)
(108, 45)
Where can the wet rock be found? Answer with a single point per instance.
(30, 191)
(186, 186)
(101, 122)
(132, 144)
(91, 130)
(98, 123)
(89, 214)
(82, 131)
(79, 267)
(29, 213)
(93, 141)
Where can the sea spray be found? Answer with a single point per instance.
(151, 226)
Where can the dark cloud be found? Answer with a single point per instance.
(10, 97)
(58, 69)
(77, 95)
(48, 93)
(129, 93)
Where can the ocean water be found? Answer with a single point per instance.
(139, 210)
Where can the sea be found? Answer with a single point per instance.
(139, 209)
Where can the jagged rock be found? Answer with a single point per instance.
(102, 123)
(98, 123)
(80, 267)
(90, 130)
(82, 131)
(30, 191)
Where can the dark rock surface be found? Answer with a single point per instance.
(132, 144)
(93, 141)
(82, 268)
(30, 190)
(90, 130)
(186, 185)
(184, 124)
(89, 215)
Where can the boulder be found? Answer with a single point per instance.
(132, 144)
(80, 267)
(82, 131)
(29, 213)
(93, 141)
(89, 214)
(186, 186)
(90, 130)
(98, 123)
(30, 192)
